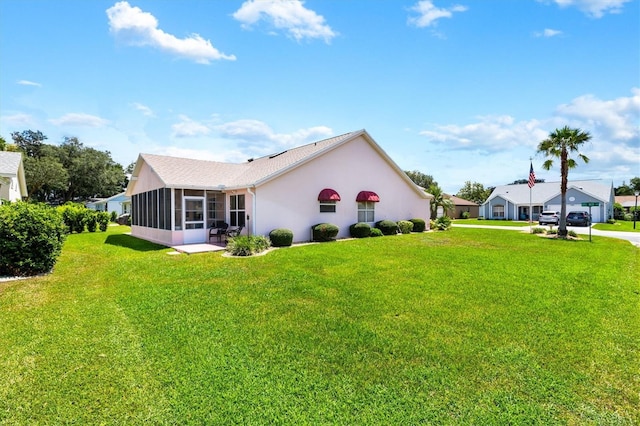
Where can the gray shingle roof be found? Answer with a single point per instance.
(9, 163)
(542, 192)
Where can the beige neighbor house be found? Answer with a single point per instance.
(13, 186)
(341, 180)
(461, 206)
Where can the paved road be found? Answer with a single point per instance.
(632, 237)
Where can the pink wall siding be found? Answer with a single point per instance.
(291, 200)
(147, 180)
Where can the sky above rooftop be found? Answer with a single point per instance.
(461, 90)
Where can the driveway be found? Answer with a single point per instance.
(632, 237)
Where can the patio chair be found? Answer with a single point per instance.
(233, 232)
(219, 231)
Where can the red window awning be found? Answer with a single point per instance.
(328, 194)
(367, 196)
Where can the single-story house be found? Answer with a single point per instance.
(627, 202)
(119, 203)
(511, 202)
(461, 205)
(13, 185)
(340, 180)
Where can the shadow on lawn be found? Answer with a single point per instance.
(133, 243)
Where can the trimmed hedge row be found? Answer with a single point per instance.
(31, 238)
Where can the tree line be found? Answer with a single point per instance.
(70, 171)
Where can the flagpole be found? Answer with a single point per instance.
(530, 197)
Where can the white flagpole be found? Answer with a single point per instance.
(530, 208)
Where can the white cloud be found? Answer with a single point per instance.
(615, 119)
(29, 83)
(80, 120)
(490, 133)
(288, 15)
(259, 137)
(19, 119)
(594, 8)
(547, 33)
(141, 29)
(189, 128)
(428, 13)
(145, 110)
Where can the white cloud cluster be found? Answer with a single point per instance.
(547, 33)
(29, 83)
(594, 8)
(79, 120)
(141, 28)
(428, 13)
(145, 110)
(288, 15)
(615, 119)
(261, 136)
(189, 128)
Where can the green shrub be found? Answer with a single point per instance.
(572, 233)
(442, 223)
(113, 217)
(375, 232)
(281, 237)
(405, 226)
(244, 245)
(388, 227)
(74, 216)
(465, 215)
(324, 232)
(103, 220)
(419, 225)
(360, 230)
(628, 217)
(91, 219)
(537, 230)
(552, 232)
(611, 221)
(31, 238)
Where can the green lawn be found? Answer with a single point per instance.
(469, 326)
(492, 222)
(620, 225)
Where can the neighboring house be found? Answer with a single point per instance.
(341, 180)
(13, 186)
(119, 203)
(511, 202)
(626, 201)
(462, 205)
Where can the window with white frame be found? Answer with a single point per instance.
(498, 211)
(236, 210)
(327, 206)
(366, 211)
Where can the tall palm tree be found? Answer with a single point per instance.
(559, 144)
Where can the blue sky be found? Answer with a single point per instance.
(461, 90)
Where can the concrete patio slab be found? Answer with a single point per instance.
(197, 248)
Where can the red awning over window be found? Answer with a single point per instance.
(367, 196)
(328, 194)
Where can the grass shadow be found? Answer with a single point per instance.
(133, 243)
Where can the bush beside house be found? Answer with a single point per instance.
(31, 238)
(324, 232)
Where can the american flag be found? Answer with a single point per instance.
(532, 177)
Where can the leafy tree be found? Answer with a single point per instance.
(421, 179)
(45, 177)
(473, 191)
(523, 181)
(623, 189)
(558, 145)
(3, 144)
(29, 142)
(439, 200)
(634, 183)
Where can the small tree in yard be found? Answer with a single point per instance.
(31, 238)
(559, 144)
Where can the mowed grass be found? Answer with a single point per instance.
(468, 326)
(620, 225)
(492, 222)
